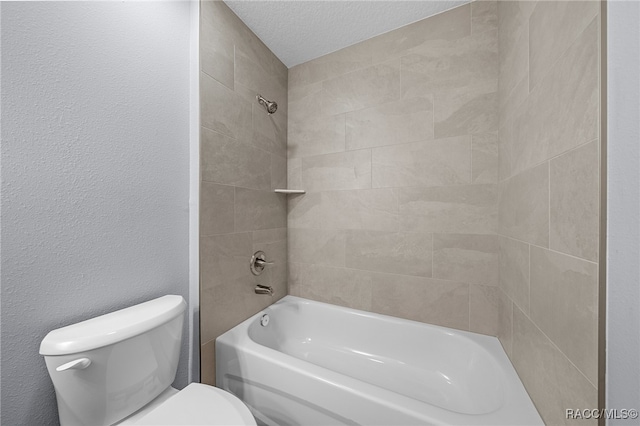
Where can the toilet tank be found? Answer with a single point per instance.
(108, 367)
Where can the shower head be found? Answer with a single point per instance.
(269, 106)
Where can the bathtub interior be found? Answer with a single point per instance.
(430, 364)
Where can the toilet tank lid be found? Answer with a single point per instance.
(112, 327)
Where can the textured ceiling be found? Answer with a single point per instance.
(300, 30)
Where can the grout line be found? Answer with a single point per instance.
(547, 248)
(549, 203)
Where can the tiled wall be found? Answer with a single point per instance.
(243, 158)
(395, 141)
(549, 199)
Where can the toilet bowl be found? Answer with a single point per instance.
(117, 369)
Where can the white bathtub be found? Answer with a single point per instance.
(320, 364)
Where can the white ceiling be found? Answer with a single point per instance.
(300, 30)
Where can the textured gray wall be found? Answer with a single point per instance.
(95, 145)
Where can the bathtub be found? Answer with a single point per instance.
(313, 363)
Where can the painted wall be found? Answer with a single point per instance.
(549, 147)
(623, 233)
(95, 185)
(242, 159)
(394, 140)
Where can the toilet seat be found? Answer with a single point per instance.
(199, 404)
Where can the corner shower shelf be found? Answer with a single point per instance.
(289, 191)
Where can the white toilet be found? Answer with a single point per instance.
(117, 369)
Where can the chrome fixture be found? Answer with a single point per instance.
(270, 106)
(264, 289)
(258, 262)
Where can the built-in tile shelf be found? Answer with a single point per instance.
(289, 191)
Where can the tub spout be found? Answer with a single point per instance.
(264, 289)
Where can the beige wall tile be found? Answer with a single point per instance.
(364, 88)
(274, 275)
(513, 39)
(392, 123)
(216, 208)
(254, 79)
(450, 64)
(562, 111)
(449, 25)
(216, 54)
(317, 246)
(430, 163)
(554, 26)
(550, 378)
(463, 208)
(317, 135)
(373, 209)
(484, 16)
(466, 111)
(269, 131)
(228, 161)
(332, 65)
(343, 170)
(305, 102)
(338, 286)
(484, 157)
(468, 258)
(259, 210)
(444, 303)
(294, 173)
(504, 156)
(564, 306)
(524, 206)
(222, 110)
(483, 309)
(514, 271)
(279, 174)
(505, 323)
(208, 363)
(575, 202)
(398, 253)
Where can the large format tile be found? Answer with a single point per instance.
(444, 303)
(259, 210)
(505, 315)
(450, 64)
(468, 258)
(524, 206)
(208, 363)
(514, 271)
(449, 25)
(364, 88)
(223, 110)
(305, 102)
(231, 162)
(484, 158)
(338, 286)
(553, 27)
(317, 246)
(279, 175)
(466, 110)
(343, 170)
(403, 121)
(398, 253)
(551, 380)
(294, 173)
(331, 65)
(468, 209)
(216, 54)
(562, 111)
(513, 38)
(269, 131)
(216, 208)
(315, 136)
(483, 309)
(372, 209)
(252, 79)
(564, 305)
(575, 202)
(431, 163)
(484, 16)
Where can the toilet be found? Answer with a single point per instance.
(117, 369)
